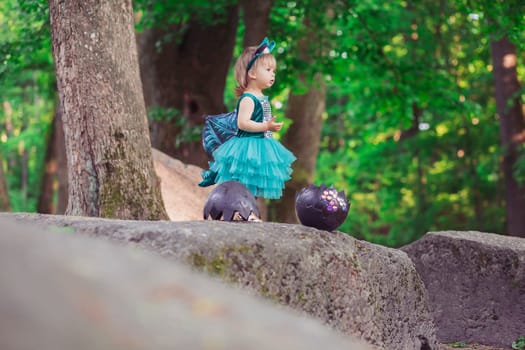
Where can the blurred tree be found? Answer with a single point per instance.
(256, 18)
(47, 192)
(54, 188)
(4, 198)
(303, 139)
(109, 155)
(512, 130)
(185, 52)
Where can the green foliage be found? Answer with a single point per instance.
(28, 95)
(410, 133)
(187, 133)
(153, 13)
(519, 167)
(177, 15)
(24, 38)
(519, 344)
(161, 113)
(457, 344)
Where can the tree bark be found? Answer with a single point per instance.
(511, 128)
(256, 20)
(4, 198)
(188, 75)
(303, 139)
(110, 163)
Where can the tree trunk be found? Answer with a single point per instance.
(303, 139)
(511, 122)
(4, 198)
(54, 182)
(110, 163)
(45, 203)
(256, 20)
(188, 75)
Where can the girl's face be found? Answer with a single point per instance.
(265, 74)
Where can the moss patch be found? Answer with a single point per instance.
(135, 201)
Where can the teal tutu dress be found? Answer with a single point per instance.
(255, 159)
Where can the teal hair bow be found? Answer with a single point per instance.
(264, 47)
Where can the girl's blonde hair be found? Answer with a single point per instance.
(241, 74)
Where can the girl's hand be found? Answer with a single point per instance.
(272, 125)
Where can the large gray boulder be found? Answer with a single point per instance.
(476, 284)
(358, 288)
(63, 291)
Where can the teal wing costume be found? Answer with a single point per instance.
(217, 130)
(255, 159)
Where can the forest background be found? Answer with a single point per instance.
(414, 109)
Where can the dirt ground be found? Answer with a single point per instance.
(183, 198)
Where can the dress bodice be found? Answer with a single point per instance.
(261, 113)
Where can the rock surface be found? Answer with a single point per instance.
(63, 291)
(356, 287)
(476, 285)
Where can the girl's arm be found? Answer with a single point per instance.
(245, 123)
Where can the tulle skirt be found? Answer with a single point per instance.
(261, 164)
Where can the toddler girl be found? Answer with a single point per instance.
(253, 157)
